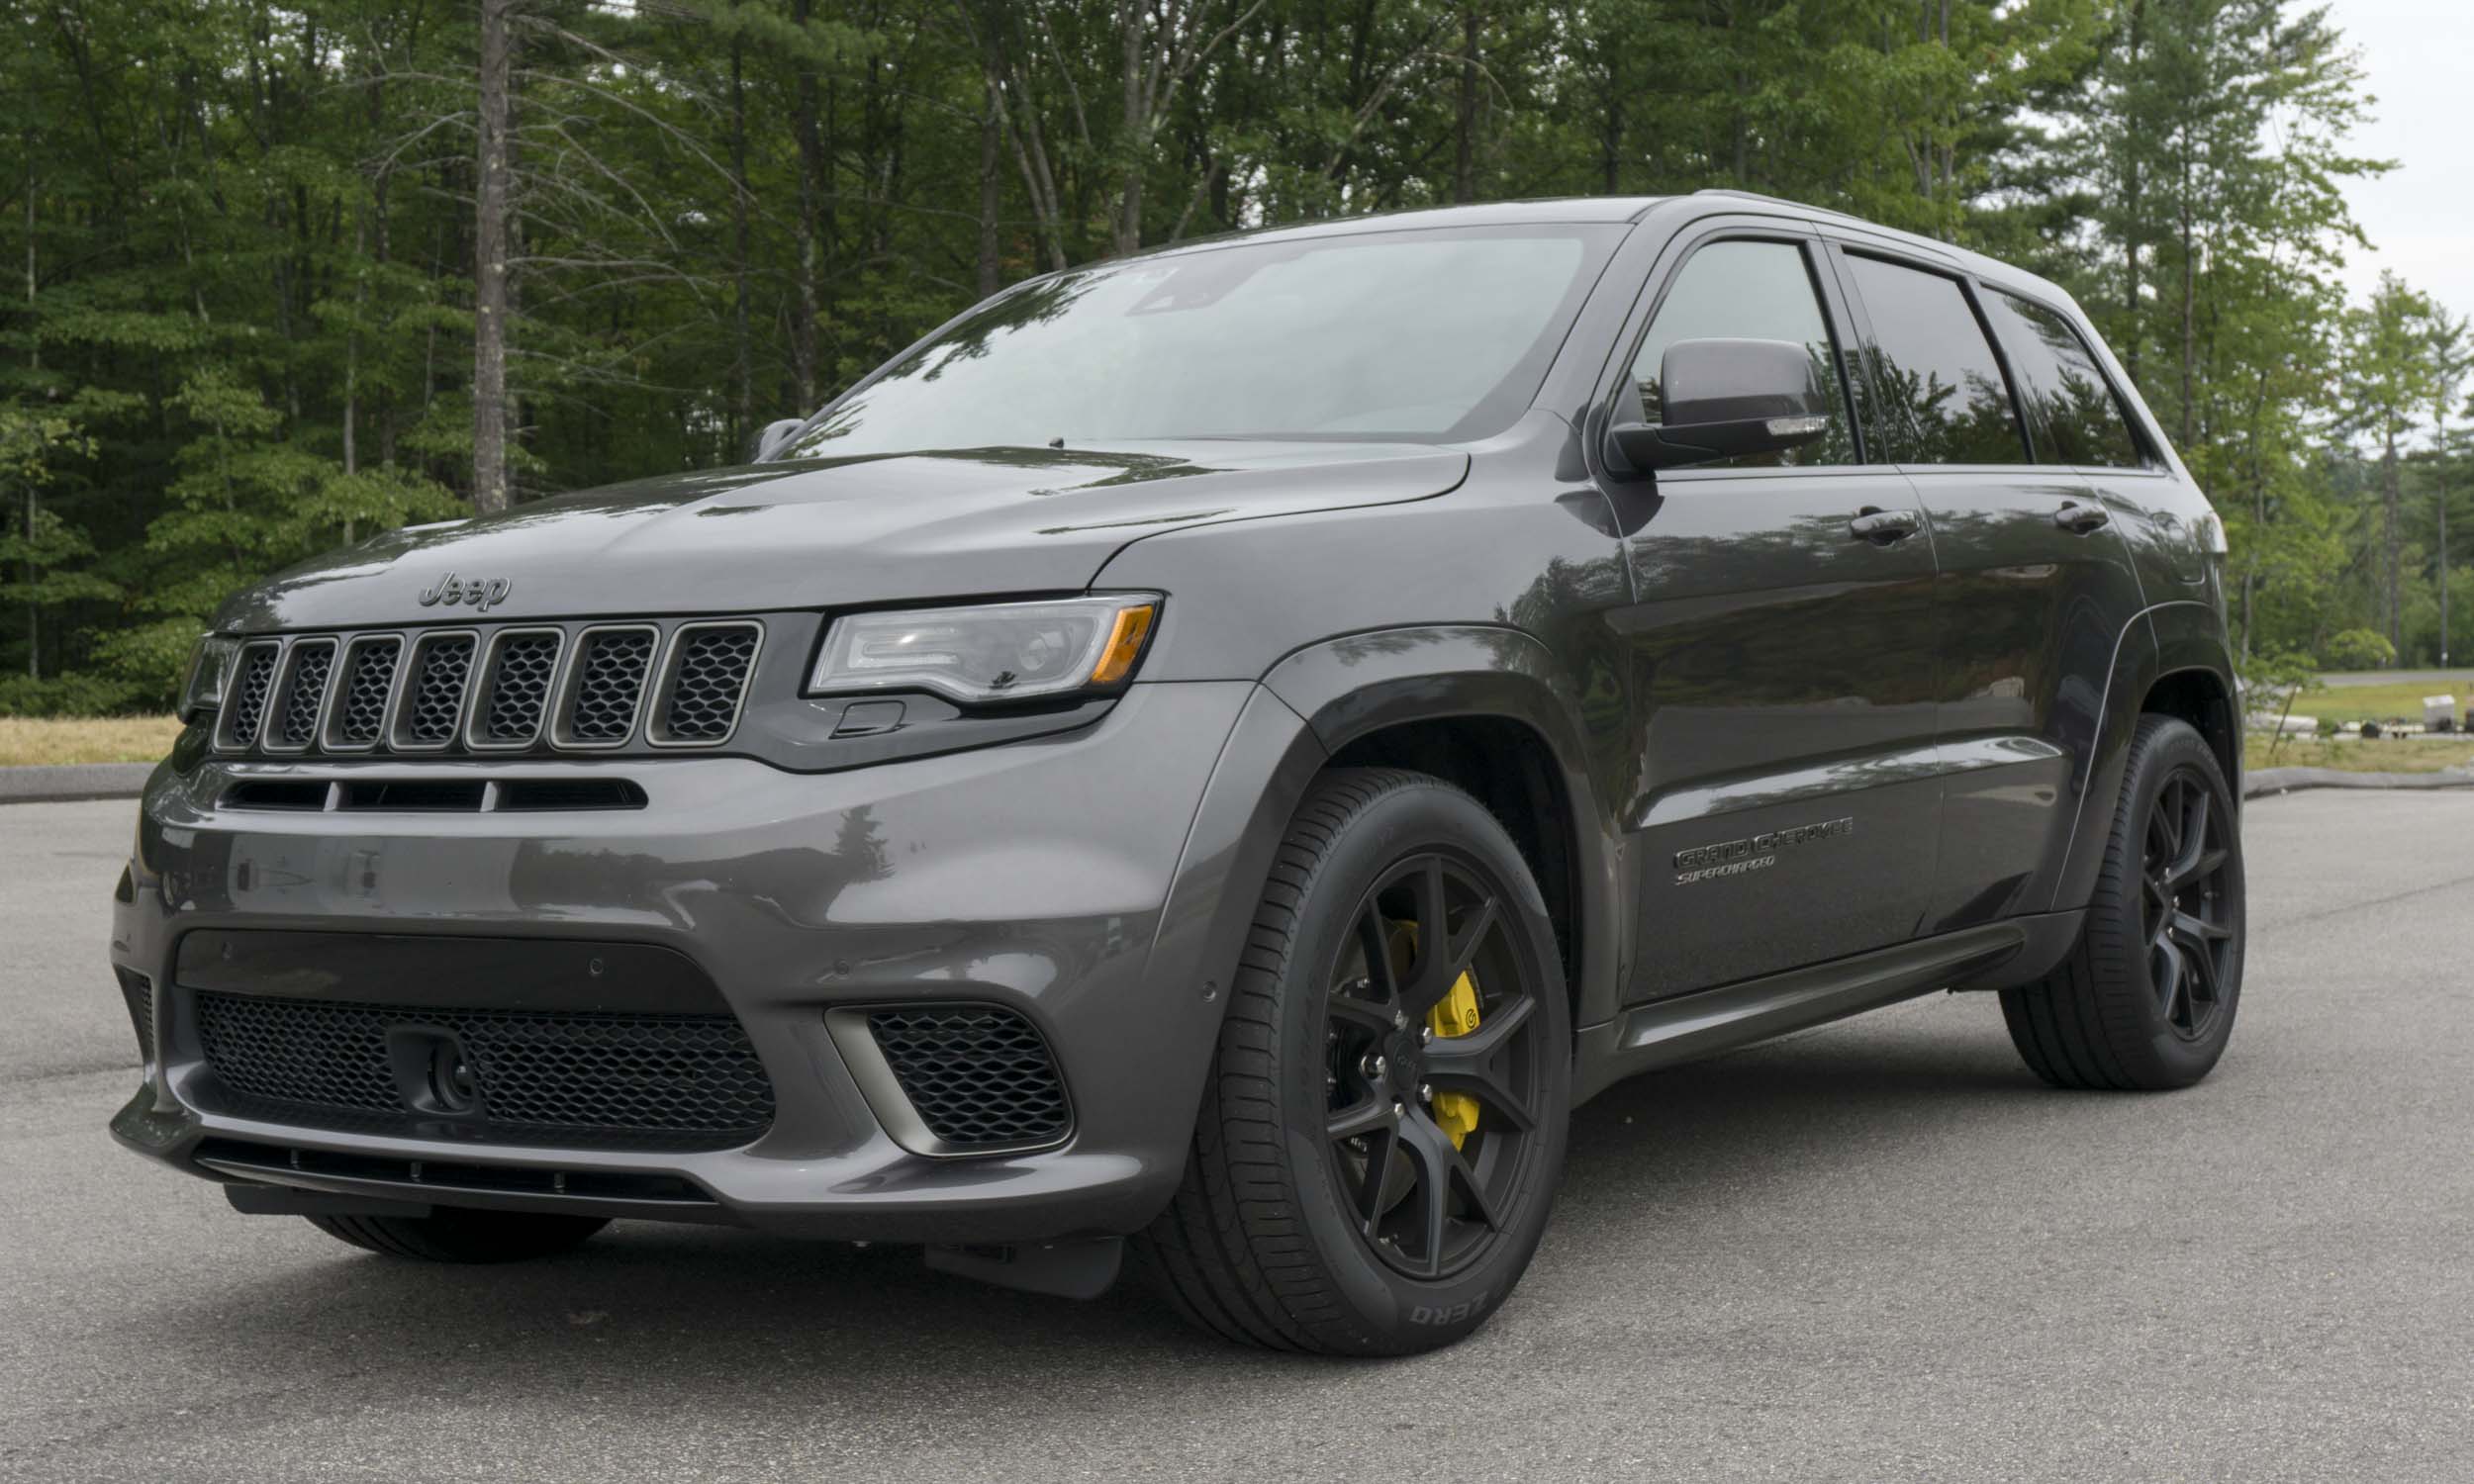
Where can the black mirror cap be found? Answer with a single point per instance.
(769, 440)
(1723, 399)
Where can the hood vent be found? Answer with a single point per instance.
(493, 689)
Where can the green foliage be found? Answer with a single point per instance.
(2357, 649)
(240, 321)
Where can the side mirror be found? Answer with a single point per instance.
(1722, 398)
(775, 434)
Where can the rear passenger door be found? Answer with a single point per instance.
(2035, 584)
(1781, 653)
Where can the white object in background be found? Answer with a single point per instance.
(2439, 710)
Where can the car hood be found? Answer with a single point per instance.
(833, 532)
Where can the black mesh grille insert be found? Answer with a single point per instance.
(707, 682)
(252, 684)
(610, 683)
(138, 993)
(362, 711)
(977, 1075)
(520, 686)
(438, 690)
(671, 1082)
(311, 660)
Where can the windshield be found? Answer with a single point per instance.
(1438, 335)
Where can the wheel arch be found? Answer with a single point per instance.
(1487, 709)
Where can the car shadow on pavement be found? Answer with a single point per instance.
(620, 1324)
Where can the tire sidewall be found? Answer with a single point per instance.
(2173, 1061)
(1412, 820)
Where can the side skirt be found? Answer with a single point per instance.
(1669, 1031)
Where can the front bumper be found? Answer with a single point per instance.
(1082, 881)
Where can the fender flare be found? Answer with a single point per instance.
(1345, 689)
(2181, 636)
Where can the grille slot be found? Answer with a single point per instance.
(433, 692)
(137, 992)
(360, 712)
(252, 685)
(276, 1163)
(979, 1077)
(607, 686)
(706, 679)
(304, 695)
(516, 696)
(552, 1077)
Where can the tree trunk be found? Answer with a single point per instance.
(1465, 143)
(489, 327)
(991, 164)
(812, 168)
(744, 361)
(2392, 542)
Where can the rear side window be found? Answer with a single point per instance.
(1937, 371)
(1749, 291)
(2074, 408)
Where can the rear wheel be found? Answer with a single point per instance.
(455, 1235)
(1385, 1123)
(2147, 998)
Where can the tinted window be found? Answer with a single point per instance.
(2069, 400)
(1749, 290)
(1936, 366)
(1399, 335)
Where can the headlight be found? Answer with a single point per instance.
(202, 693)
(998, 651)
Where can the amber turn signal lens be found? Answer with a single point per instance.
(1125, 645)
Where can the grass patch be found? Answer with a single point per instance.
(2381, 702)
(100, 739)
(2383, 755)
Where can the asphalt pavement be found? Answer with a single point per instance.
(1876, 1250)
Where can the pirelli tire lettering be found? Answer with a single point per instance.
(1755, 852)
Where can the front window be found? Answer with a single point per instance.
(1432, 336)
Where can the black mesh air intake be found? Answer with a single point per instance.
(550, 1077)
(977, 1075)
(707, 681)
(609, 685)
(520, 686)
(435, 697)
(137, 993)
(252, 683)
(312, 659)
(361, 712)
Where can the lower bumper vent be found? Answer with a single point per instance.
(138, 992)
(571, 1079)
(979, 1077)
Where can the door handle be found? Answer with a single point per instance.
(1881, 527)
(2079, 519)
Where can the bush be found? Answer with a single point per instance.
(65, 696)
(2358, 649)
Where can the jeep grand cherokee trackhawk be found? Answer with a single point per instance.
(1205, 760)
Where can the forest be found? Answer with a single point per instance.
(285, 274)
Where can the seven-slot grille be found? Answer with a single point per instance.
(510, 689)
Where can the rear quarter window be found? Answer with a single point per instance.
(2076, 415)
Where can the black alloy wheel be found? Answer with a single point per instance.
(2188, 911)
(1427, 1198)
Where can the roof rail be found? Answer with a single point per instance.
(1826, 210)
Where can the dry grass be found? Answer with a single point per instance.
(2381, 702)
(101, 739)
(2383, 755)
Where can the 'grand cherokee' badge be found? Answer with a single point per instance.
(479, 593)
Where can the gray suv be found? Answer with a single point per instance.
(1204, 761)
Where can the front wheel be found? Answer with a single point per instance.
(2147, 998)
(1385, 1123)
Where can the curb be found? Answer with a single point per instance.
(2264, 780)
(63, 783)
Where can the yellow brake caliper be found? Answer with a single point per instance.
(1456, 1014)
(1455, 1113)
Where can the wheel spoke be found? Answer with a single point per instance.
(1382, 985)
(1379, 1148)
(1466, 1063)
(1437, 976)
(1360, 1015)
(2165, 963)
(2195, 932)
(2200, 963)
(1442, 1166)
(1359, 1119)
(2198, 868)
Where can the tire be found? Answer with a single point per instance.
(2145, 1000)
(1308, 1216)
(453, 1233)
